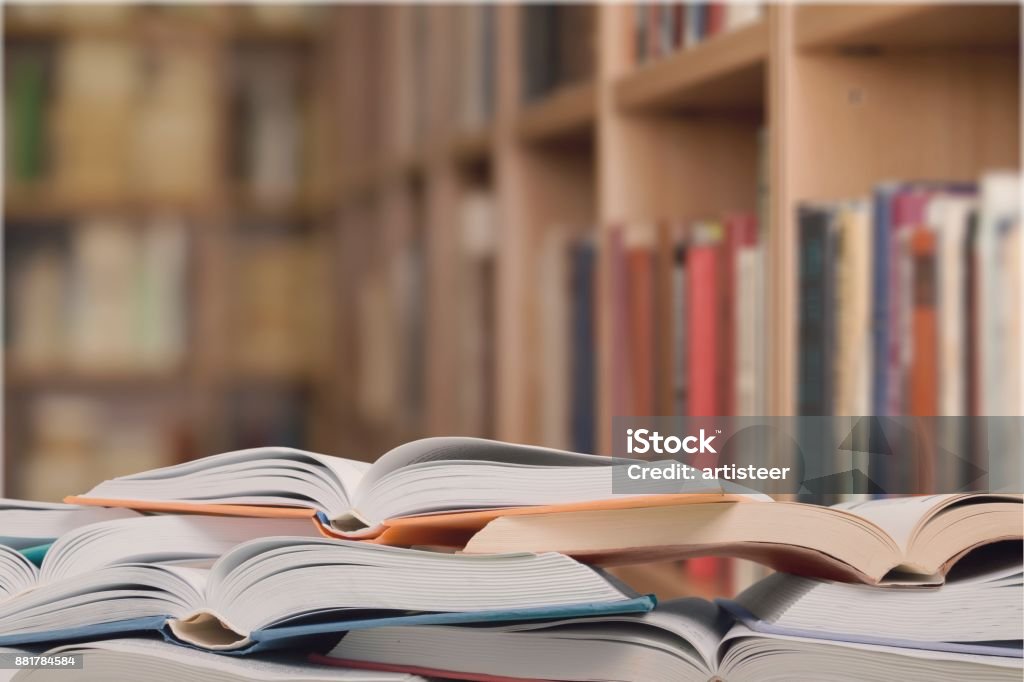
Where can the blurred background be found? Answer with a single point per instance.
(343, 227)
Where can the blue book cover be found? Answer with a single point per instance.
(284, 636)
(36, 554)
(881, 219)
(584, 373)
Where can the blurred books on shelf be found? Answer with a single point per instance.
(105, 296)
(558, 47)
(97, 87)
(276, 280)
(924, 270)
(567, 306)
(478, 238)
(81, 436)
(475, 45)
(267, 138)
(660, 29)
(28, 90)
(175, 152)
(693, 312)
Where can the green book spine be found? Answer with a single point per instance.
(28, 88)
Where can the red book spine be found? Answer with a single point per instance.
(908, 211)
(716, 18)
(702, 326)
(641, 316)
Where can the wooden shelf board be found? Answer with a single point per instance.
(248, 205)
(567, 113)
(726, 71)
(41, 204)
(141, 27)
(259, 32)
(67, 378)
(472, 147)
(908, 26)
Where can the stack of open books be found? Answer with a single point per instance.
(468, 559)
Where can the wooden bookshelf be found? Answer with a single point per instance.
(194, 395)
(909, 26)
(725, 72)
(831, 99)
(569, 112)
(472, 147)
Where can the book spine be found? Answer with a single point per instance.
(27, 91)
(924, 388)
(881, 210)
(814, 391)
(640, 12)
(642, 335)
(584, 387)
(746, 332)
(908, 209)
(715, 19)
(923, 383)
(664, 332)
(702, 301)
(621, 389)
(678, 25)
(554, 304)
(680, 342)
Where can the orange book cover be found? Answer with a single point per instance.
(639, 261)
(451, 529)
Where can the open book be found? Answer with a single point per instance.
(79, 555)
(355, 499)
(691, 639)
(899, 540)
(25, 524)
(269, 592)
(986, 595)
(155, 660)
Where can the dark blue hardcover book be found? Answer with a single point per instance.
(881, 219)
(583, 392)
(816, 314)
(283, 636)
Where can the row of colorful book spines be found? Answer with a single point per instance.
(663, 28)
(674, 316)
(905, 285)
(672, 307)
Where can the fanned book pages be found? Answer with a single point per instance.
(357, 500)
(90, 577)
(687, 639)
(911, 540)
(979, 611)
(25, 524)
(270, 592)
(128, 660)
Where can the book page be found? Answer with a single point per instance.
(899, 517)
